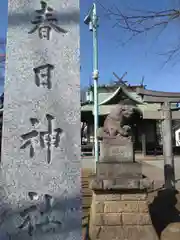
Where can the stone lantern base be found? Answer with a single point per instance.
(119, 209)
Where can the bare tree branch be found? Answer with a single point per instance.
(141, 22)
(171, 53)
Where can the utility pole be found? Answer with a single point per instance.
(92, 20)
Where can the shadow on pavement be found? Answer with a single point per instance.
(165, 209)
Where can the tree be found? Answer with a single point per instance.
(139, 22)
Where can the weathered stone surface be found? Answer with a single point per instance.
(98, 207)
(121, 219)
(123, 233)
(107, 232)
(143, 206)
(125, 206)
(107, 197)
(120, 184)
(172, 231)
(146, 183)
(40, 163)
(140, 233)
(109, 183)
(136, 219)
(116, 170)
(127, 183)
(94, 231)
(118, 122)
(109, 219)
(96, 184)
(97, 219)
(112, 219)
(116, 150)
(135, 196)
(121, 206)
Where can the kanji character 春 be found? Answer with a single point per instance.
(45, 21)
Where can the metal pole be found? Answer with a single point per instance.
(95, 77)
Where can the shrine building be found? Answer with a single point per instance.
(147, 128)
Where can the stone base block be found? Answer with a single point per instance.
(123, 233)
(116, 149)
(121, 183)
(120, 216)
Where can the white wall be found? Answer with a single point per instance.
(177, 137)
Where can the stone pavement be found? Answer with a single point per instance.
(159, 166)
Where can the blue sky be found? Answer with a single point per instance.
(3, 30)
(3, 17)
(139, 58)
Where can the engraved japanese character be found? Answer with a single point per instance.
(45, 139)
(43, 75)
(39, 216)
(31, 138)
(51, 136)
(45, 21)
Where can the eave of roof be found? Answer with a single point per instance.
(126, 92)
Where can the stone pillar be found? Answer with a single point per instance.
(167, 146)
(41, 161)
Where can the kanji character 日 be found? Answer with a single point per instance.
(43, 75)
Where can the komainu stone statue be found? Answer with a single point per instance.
(118, 122)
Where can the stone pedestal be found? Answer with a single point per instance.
(119, 208)
(120, 215)
(119, 204)
(116, 149)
